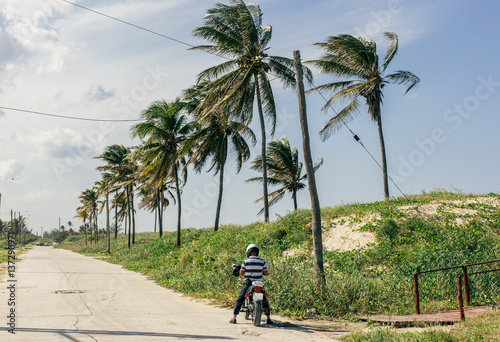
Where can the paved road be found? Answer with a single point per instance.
(65, 296)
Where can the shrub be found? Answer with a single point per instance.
(61, 236)
(387, 230)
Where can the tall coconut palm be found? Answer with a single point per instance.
(237, 34)
(122, 167)
(215, 136)
(90, 203)
(121, 210)
(165, 130)
(154, 199)
(104, 186)
(348, 57)
(82, 213)
(285, 170)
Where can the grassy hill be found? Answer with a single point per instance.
(437, 229)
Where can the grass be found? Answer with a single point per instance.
(377, 279)
(485, 327)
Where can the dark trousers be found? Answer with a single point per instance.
(241, 299)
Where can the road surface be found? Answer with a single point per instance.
(64, 296)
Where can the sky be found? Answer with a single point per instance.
(60, 59)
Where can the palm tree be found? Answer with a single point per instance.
(165, 130)
(154, 199)
(215, 136)
(81, 213)
(90, 202)
(122, 167)
(285, 170)
(237, 34)
(349, 57)
(104, 187)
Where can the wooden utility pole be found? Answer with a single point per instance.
(311, 180)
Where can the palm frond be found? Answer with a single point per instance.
(392, 42)
(404, 77)
(344, 116)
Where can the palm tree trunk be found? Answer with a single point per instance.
(108, 231)
(133, 212)
(85, 230)
(128, 214)
(311, 179)
(264, 163)
(179, 208)
(125, 218)
(156, 217)
(91, 228)
(384, 160)
(96, 228)
(221, 185)
(116, 216)
(294, 196)
(160, 213)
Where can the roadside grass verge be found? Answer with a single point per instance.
(376, 279)
(485, 327)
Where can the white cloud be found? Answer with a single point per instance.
(30, 32)
(61, 143)
(11, 168)
(99, 93)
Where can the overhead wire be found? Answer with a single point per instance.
(69, 117)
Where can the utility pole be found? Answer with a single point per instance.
(311, 180)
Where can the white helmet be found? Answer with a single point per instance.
(251, 248)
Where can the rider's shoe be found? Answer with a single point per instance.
(269, 321)
(233, 321)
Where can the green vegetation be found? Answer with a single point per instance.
(481, 328)
(377, 279)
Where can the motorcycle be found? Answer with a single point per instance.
(252, 306)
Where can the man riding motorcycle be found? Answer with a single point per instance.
(252, 269)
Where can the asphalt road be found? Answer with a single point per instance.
(64, 296)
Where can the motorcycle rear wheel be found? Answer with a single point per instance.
(248, 309)
(257, 313)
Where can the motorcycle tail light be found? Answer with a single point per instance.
(258, 289)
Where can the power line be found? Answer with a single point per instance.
(70, 117)
(128, 23)
(142, 28)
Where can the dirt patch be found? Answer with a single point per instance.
(434, 208)
(345, 234)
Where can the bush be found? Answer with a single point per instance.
(387, 230)
(61, 236)
(73, 238)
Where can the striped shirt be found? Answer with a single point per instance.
(253, 267)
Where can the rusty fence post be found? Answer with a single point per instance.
(415, 287)
(460, 301)
(466, 285)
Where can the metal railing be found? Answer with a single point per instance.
(460, 301)
(464, 275)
